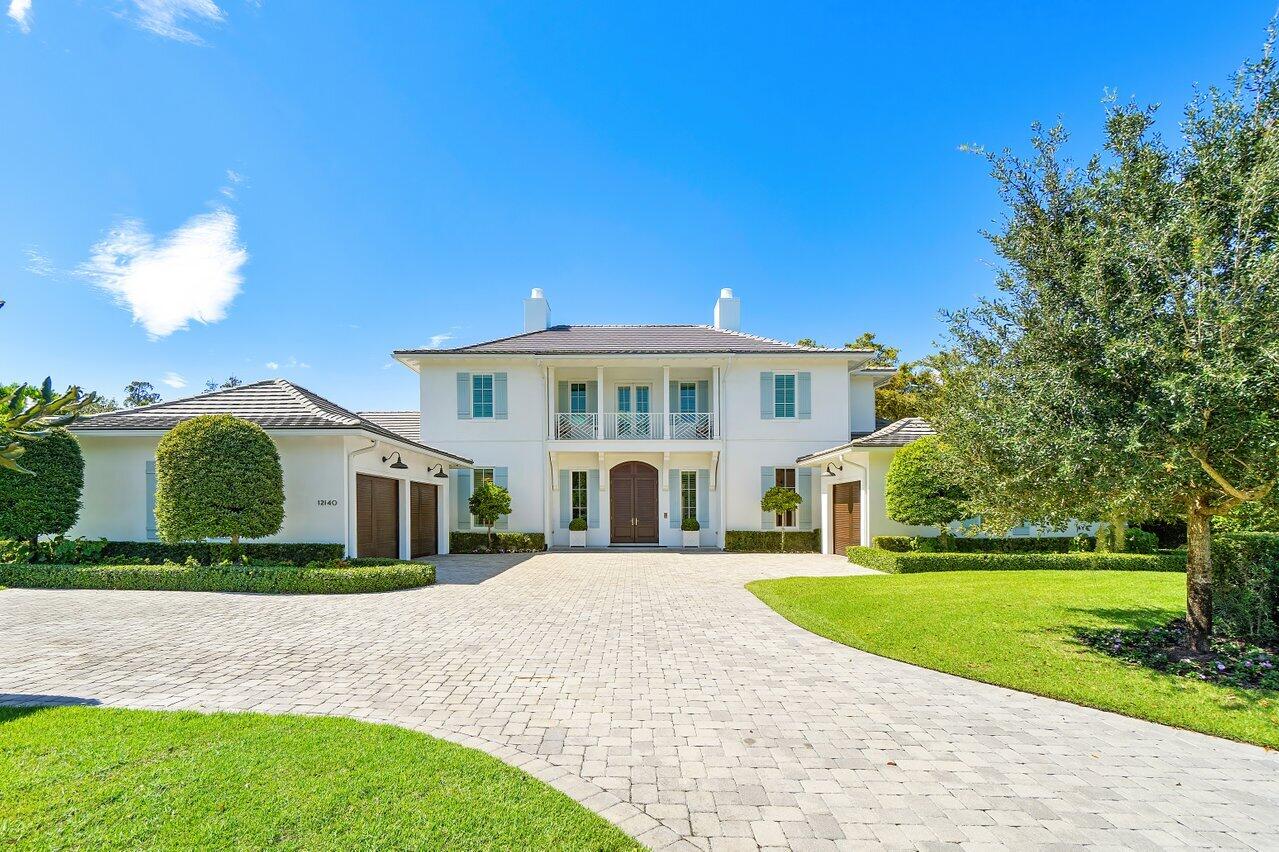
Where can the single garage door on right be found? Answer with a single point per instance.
(846, 516)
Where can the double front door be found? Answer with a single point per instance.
(633, 503)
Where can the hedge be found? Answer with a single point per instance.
(770, 541)
(1245, 585)
(503, 542)
(1032, 544)
(210, 552)
(332, 579)
(918, 563)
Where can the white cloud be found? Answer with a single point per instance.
(273, 365)
(168, 18)
(438, 340)
(193, 273)
(234, 179)
(38, 264)
(173, 380)
(292, 364)
(20, 12)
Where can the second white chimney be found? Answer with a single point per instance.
(728, 311)
(537, 311)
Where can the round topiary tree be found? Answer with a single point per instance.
(47, 503)
(918, 489)
(217, 476)
(779, 500)
(489, 501)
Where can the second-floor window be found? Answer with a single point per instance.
(577, 398)
(785, 477)
(688, 493)
(482, 395)
(784, 395)
(687, 397)
(578, 494)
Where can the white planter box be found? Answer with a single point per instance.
(692, 539)
(577, 538)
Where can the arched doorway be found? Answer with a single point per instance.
(632, 490)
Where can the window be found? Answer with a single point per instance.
(688, 493)
(577, 398)
(483, 474)
(785, 477)
(482, 395)
(578, 494)
(687, 397)
(784, 395)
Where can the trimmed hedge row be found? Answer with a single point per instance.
(918, 563)
(363, 575)
(1034, 544)
(770, 541)
(1245, 585)
(211, 553)
(503, 542)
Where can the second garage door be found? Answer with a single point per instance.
(423, 517)
(377, 512)
(846, 520)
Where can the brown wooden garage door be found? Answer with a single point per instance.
(846, 520)
(377, 512)
(423, 519)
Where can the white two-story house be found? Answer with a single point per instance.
(635, 427)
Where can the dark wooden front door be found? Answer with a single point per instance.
(377, 514)
(632, 488)
(423, 519)
(846, 512)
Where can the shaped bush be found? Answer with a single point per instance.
(489, 501)
(47, 503)
(217, 476)
(918, 489)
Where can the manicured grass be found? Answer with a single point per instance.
(358, 577)
(1018, 629)
(91, 778)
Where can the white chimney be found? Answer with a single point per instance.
(537, 311)
(728, 311)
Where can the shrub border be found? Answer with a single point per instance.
(360, 578)
(505, 541)
(920, 563)
(770, 541)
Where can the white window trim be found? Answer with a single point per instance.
(492, 396)
(795, 387)
(586, 494)
(586, 397)
(683, 509)
(634, 386)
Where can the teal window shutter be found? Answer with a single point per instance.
(805, 407)
(499, 479)
(804, 485)
(152, 535)
(766, 396)
(463, 502)
(499, 396)
(566, 495)
(703, 396)
(562, 398)
(767, 479)
(672, 399)
(673, 502)
(703, 497)
(463, 396)
(593, 499)
(592, 397)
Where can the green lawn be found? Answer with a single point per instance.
(86, 777)
(1017, 629)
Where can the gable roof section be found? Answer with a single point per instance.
(631, 340)
(274, 404)
(896, 434)
(407, 424)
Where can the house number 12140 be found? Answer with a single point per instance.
(326, 502)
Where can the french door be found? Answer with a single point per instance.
(634, 417)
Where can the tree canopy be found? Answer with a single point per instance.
(1127, 366)
(779, 500)
(489, 501)
(47, 503)
(920, 489)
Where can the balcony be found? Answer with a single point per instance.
(632, 426)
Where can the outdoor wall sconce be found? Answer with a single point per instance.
(836, 471)
(441, 474)
(398, 464)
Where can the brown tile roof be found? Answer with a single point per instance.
(272, 404)
(896, 434)
(407, 424)
(629, 340)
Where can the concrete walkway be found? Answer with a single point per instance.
(656, 690)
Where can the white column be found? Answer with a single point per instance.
(666, 400)
(550, 402)
(443, 494)
(715, 430)
(599, 402)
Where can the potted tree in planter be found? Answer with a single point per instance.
(692, 532)
(577, 532)
(779, 500)
(488, 503)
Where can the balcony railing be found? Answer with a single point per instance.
(632, 426)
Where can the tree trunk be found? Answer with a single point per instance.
(235, 540)
(1199, 579)
(490, 531)
(1119, 533)
(783, 539)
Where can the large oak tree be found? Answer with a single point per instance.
(1129, 366)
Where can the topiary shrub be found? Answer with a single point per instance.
(47, 503)
(918, 489)
(577, 525)
(489, 502)
(217, 476)
(779, 500)
(690, 525)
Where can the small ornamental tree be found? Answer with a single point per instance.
(779, 500)
(217, 476)
(47, 503)
(488, 503)
(919, 489)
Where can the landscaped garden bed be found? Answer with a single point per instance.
(1230, 661)
(338, 577)
(1021, 629)
(95, 778)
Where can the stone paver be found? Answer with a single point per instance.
(653, 688)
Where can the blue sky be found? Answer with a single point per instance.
(194, 188)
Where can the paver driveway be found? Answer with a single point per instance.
(654, 688)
